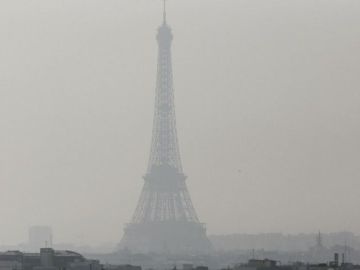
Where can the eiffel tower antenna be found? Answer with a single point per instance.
(164, 12)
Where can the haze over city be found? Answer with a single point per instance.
(267, 104)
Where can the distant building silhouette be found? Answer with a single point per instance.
(40, 236)
(319, 241)
(319, 252)
(47, 259)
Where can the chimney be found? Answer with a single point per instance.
(336, 259)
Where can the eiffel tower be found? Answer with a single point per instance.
(165, 220)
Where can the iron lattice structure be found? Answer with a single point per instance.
(165, 219)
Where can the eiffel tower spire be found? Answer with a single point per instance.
(165, 215)
(164, 12)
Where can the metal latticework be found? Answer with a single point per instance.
(164, 196)
(165, 215)
(164, 147)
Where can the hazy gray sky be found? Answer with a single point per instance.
(269, 88)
